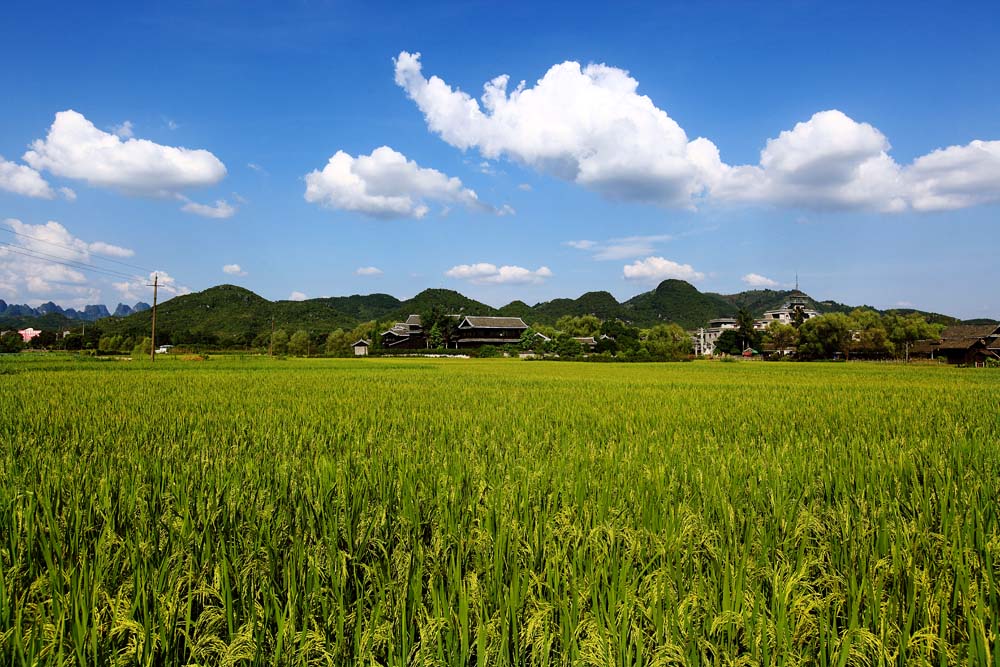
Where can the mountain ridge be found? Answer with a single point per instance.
(236, 313)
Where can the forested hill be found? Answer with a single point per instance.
(229, 311)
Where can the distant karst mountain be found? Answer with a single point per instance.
(54, 312)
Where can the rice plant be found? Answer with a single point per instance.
(496, 512)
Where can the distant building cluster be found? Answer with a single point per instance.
(796, 308)
(470, 331)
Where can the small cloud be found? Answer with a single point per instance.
(526, 187)
(123, 131)
(655, 269)
(171, 125)
(486, 168)
(102, 248)
(239, 199)
(506, 210)
(256, 167)
(233, 270)
(133, 290)
(68, 194)
(221, 210)
(624, 247)
(368, 271)
(484, 273)
(904, 304)
(757, 280)
(297, 296)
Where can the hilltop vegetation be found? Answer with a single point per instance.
(233, 316)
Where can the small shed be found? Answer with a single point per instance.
(360, 347)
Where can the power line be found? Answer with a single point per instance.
(73, 264)
(66, 247)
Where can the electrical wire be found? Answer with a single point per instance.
(65, 247)
(44, 257)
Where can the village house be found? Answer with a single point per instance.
(360, 347)
(797, 301)
(471, 331)
(29, 334)
(704, 339)
(969, 344)
(408, 335)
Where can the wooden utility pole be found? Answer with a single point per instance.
(270, 342)
(152, 333)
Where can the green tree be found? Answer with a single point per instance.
(436, 339)
(142, 348)
(749, 337)
(338, 343)
(781, 336)
(584, 325)
(625, 337)
(529, 339)
(825, 336)
(279, 342)
(668, 342)
(798, 316)
(298, 344)
(870, 338)
(904, 330)
(11, 342)
(729, 342)
(445, 324)
(565, 346)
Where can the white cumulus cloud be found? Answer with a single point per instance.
(74, 148)
(140, 288)
(590, 125)
(955, 177)
(757, 280)
(47, 262)
(233, 270)
(491, 274)
(297, 296)
(23, 180)
(655, 269)
(368, 271)
(384, 185)
(587, 124)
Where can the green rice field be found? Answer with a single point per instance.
(497, 512)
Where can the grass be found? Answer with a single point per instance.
(459, 512)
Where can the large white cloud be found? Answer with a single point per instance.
(23, 180)
(46, 262)
(491, 274)
(655, 269)
(589, 125)
(74, 148)
(384, 185)
(583, 124)
(955, 177)
(829, 161)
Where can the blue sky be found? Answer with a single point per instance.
(599, 172)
